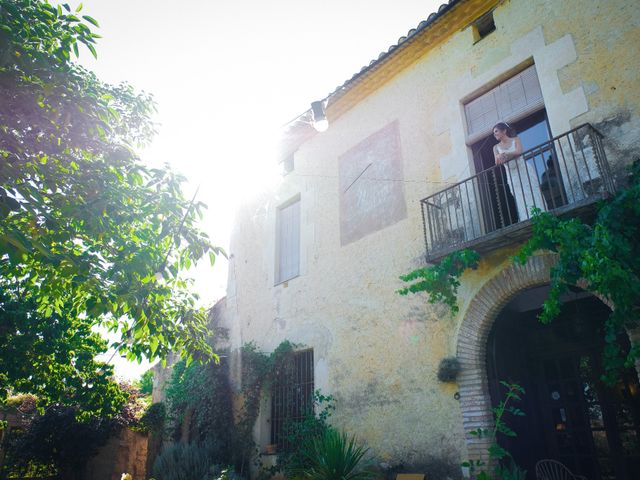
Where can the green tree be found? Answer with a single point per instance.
(90, 237)
(145, 384)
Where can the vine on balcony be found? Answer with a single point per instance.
(604, 257)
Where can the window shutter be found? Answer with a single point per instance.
(509, 101)
(288, 251)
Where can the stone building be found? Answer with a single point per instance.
(404, 175)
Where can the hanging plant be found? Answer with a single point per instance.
(448, 369)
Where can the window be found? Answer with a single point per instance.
(292, 395)
(483, 27)
(512, 100)
(288, 241)
(287, 165)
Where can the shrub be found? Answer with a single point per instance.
(23, 402)
(299, 432)
(57, 442)
(333, 456)
(153, 418)
(185, 461)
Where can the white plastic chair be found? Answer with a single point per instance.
(554, 470)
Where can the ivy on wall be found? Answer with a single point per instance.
(201, 407)
(441, 281)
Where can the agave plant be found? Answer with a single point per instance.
(333, 456)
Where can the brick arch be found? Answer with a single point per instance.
(475, 400)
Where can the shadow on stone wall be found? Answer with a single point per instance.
(125, 452)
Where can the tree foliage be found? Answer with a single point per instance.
(89, 235)
(57, 443)
(62, 438)
(52, 357)
(145, 384)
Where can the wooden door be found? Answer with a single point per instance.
(571, 415)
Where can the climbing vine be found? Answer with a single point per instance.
(201, 407)
(603, 256)
(441, 281)
(506, 467)
(258, 373)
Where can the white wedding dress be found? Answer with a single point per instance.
(523, 181)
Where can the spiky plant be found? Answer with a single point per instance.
(333, 456)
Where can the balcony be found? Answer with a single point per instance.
(565, 176)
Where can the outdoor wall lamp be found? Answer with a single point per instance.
(319, 116)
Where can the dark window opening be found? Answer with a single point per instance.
(291, 397)
(287, 165)
(483, 26)
(500, 191)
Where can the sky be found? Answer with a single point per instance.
(226, 76)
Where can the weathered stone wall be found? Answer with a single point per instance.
(123, 453)
(375, 351)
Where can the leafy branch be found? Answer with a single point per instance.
(496, 452)
(441, 281)
(90, 236)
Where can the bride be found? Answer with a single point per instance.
(521, 177)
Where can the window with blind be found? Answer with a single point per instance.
(291, 396)
(510, 101)
(288, 241)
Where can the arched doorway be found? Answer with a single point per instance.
(571, 415)
(472, 340)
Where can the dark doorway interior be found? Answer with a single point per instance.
(497, 197)
(571, 415)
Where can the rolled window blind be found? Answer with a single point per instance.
(509, 101)
(288, 248)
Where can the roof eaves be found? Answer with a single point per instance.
(299, 129)
(402, 43)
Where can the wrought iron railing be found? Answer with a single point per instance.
(559, 175)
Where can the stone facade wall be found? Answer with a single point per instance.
(375, 351)
(123, 453)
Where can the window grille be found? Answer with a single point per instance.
(292, 396)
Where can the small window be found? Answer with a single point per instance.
(483, 26)
(287, 165)
(288, 241)
(291, 395)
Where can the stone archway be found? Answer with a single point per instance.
(475, 400)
